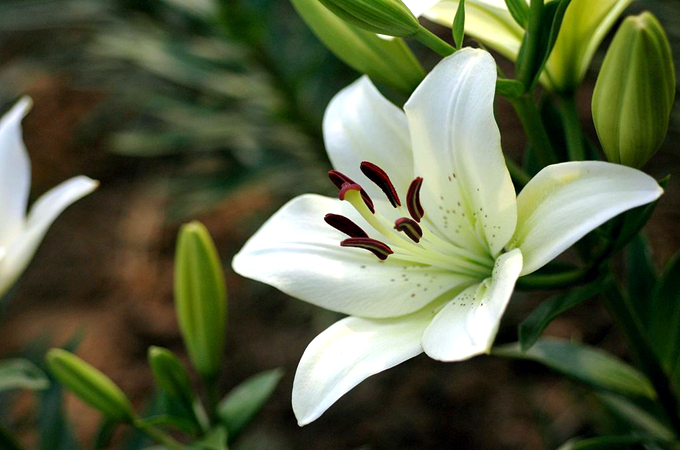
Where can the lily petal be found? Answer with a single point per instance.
(564, 202)
(467, 325)
(418, 7)
(15, 172)
(298, 253)
(457, 150)
(45, 210)
(362, 125)
(347, 353)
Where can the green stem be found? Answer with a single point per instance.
(159, 436)
(622, 311)
(572, 128)
(526, 72)
(212, 394)
(429, 39)
(534, 128)
(554, 280)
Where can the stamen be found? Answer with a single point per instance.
(345, 225)
(382, 180)
(339, 179)
(415, 208)
(379, 249)
(409, 227)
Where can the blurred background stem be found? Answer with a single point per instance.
(572, 127)
(535, 130)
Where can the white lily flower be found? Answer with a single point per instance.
(21, 234)
(432, 267)
(585, 25)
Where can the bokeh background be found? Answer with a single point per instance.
(211, 110)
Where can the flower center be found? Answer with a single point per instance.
(408, 238)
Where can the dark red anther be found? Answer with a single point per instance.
(379, 249)
(382, 180)
(339, 179)
(409, 227)
(342, 223)
(415, 208)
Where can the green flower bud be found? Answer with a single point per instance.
(634, 92)
(200, 298)
(389, 61)
(170, 374)
(390, 17)
(90, 385)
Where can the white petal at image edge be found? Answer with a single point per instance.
(347, 353)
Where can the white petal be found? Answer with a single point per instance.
(347, 353)
(15, 172)
(457, 150)
(362, 125)
(298, 253)
(467, 326)
(488, 21)
(45, 210)
(564, 202)
(418, 7)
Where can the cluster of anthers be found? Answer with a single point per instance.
(408, 238)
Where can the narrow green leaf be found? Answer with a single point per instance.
(21, 374)
(246, 400)
(664, 316)
(608, 443)
(104, 437)
(458, 27)
(641, 275)
(169, 421)
(586, 364)
(216, 439)
(532, 327)
(519, 9)
(387, 61)
(644, 416)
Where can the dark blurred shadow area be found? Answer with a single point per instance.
(211, 110)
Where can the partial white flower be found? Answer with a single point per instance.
(21, 234)
(427, 239)
(585, 25)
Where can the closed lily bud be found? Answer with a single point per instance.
(390, 17)
(389, 61)
(634, 92)
(200, 298)
(90, 385)
(170, 374)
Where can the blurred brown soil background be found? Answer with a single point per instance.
(106, 267)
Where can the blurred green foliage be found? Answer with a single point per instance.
(224, 93)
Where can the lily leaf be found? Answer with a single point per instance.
(642, 416)
(519, 9)
(532, 327)
(664, 317)
(458, 27)
(608, 443)
(246, 400)
(389, 61)
(216, 439)
(586, 364)
(641, 275)
(21, 374)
